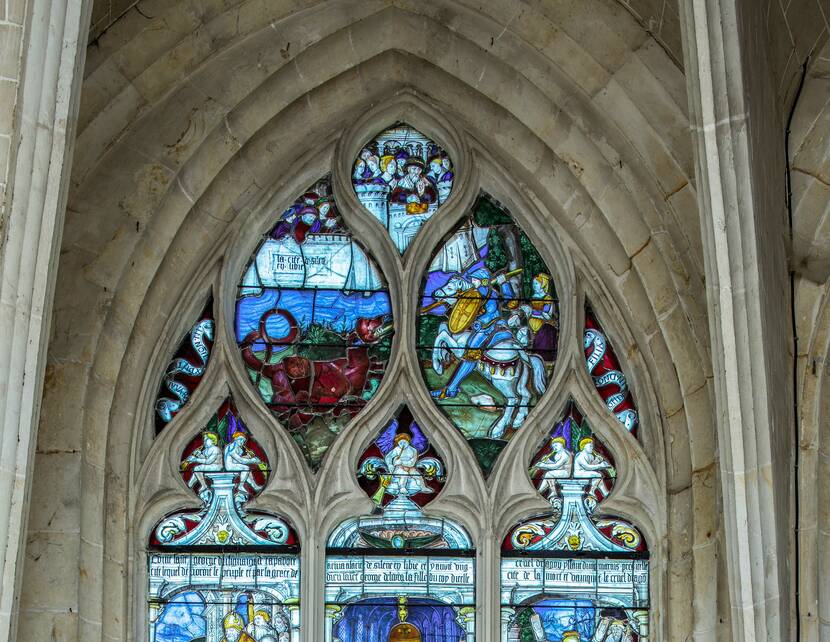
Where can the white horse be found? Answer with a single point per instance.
(506, 364)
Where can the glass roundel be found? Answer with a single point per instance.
(313, 322)
(402, 177)
(488, 328)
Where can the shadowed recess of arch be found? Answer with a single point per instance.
(313, 322)
(488, 328)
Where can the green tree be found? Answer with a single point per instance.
(533, 264)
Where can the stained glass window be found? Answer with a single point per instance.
(605, 370)
(402, 177)
(400, 574)
(221, 571)
(488, 328)
(186, 369)
(313, 322)
(570, 574)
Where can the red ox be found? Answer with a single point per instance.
(304, 388)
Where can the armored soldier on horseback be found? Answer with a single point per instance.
(477, 309)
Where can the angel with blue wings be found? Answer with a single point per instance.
(402, 471)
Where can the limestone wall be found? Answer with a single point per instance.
(12, 18)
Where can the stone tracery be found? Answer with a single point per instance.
(223, 204)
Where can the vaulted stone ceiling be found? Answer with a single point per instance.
(661, 18)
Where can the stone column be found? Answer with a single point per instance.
(52, 56)
(739, 173)
(507, 614)
(293, 606)
(333, 613)
(642, 625)
(467, 617)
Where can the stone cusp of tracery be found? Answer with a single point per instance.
(488, 328)
(313, 322)
(571, 574)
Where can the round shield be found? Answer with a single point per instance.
(465, 310)
(404, 632)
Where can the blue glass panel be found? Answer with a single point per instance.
(570, 620)
(220, 597)
(389, 597)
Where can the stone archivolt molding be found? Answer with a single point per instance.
(182, 159)
(315, 504)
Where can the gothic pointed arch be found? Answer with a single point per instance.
(399, 573)
(574, 573)
(222, 567)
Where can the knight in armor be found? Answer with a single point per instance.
(478, 309)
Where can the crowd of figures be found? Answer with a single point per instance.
(402, 177)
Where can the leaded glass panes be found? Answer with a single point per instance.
(402, 177)
(570, 574)
(221, 572)
(605, 370)
(313, 322)
(488, 328)
(400, 574)
(186, 369)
